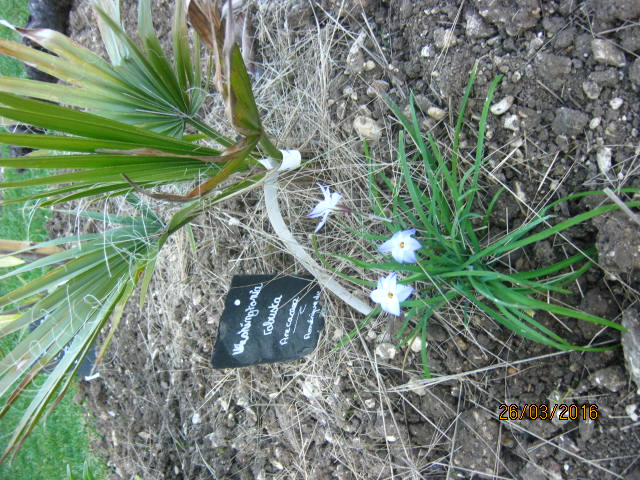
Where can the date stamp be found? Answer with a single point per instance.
(543, 411)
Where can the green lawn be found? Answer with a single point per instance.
(17, 13)
(61, 443)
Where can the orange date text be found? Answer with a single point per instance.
(543, 411)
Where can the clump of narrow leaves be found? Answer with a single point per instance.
(455, 261)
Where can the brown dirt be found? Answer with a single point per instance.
(162, 411)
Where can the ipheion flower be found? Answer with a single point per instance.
(326, 206)
(390, 293)
(402, 246)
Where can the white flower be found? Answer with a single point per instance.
(402, 246)
(326, 206)
(389, 294)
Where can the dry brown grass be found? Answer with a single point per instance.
(330, 398)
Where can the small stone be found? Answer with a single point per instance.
(369, 65)
(502, 106)
(195, 419)
(415, 344)
(612, 130)
(367, 128)
(606, 11)
(513, 16)
(355, 57)
(364, 111)
(422, 102)
(585, 429)
(604, 51)
(311, 389)
(377, 87)
(618, 244)
(426, 51)
(370, 403)
(606, 78)
(437, 333)
(610, 378)
(531, 471)
(563, 143)
(417, 386)
(554, 67)
(564, 38)
(634, 71)
(631, 343)
(476, 27)
(511, 122)
(616, 103)
(534, 45)
(631, 410)
(350, 92)
(595, 123)
(591, 89)
(444, 38)
(277, 464)
(569, 121)
(436, 113)
(603, 158)
(385, 351)
(520, 193)
(630, 38)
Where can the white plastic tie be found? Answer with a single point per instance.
(268, 163)
(291, 159)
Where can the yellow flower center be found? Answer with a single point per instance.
(401, 244)
(390, 294)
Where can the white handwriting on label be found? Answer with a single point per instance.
(250, 312)
(287, 328)
(312, 316)
(273, 311)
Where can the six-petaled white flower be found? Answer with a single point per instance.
(326, 206)
(389, 294)
(402, 246)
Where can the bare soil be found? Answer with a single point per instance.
(571, 81)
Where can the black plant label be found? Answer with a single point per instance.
(86, 365)
(268, 319)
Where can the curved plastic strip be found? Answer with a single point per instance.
(292, 245)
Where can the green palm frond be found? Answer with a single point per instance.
(99, 151)
(140, 86)
(109, 127)
(86, 285)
